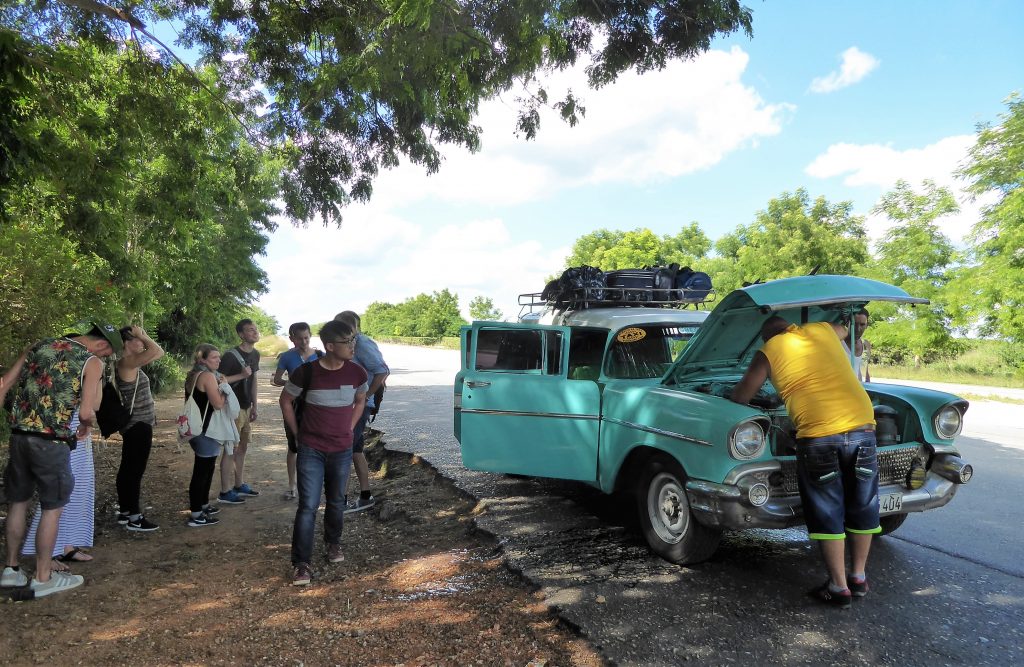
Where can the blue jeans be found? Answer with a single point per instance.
(838, 479)
(318, 471)
(359, 433)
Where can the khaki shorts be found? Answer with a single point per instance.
(243, 424)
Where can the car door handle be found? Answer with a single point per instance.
(476, 384)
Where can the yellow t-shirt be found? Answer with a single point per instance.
(811, 372)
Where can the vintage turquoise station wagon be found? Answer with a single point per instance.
(635, 400)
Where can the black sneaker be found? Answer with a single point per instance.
(202, 520)
(143, 525)
(842, 600)
(211, 510)
(123, 517)
(360, 505)
(857, 589)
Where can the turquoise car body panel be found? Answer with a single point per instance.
(691, 427)
(533, 422)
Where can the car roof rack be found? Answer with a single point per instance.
(581, 298)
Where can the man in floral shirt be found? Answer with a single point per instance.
(60, 376)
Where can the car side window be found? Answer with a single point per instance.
(586, 349)
(518, 351)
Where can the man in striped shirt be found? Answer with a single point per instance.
(333, 395)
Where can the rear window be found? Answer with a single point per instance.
(646, 351)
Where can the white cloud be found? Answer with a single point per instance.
(317, 272)
(881, 166)
(855, 65)
(660, 125)
(642, 129)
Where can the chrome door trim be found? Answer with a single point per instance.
(658, 431)
(517, 413)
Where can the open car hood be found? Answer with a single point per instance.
(730, 335)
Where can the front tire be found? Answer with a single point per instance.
(891, 522)
(667, 523)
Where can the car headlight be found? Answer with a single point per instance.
(746, 441)
(948, 422)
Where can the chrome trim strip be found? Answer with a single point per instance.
(658, 431)
(516, 413)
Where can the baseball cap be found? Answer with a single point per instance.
(100, 329)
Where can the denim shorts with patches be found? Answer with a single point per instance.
(838, 477)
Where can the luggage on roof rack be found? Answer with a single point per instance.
(584, 287)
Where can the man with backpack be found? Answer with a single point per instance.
(240, 364)
(369, 357)
(299, 334)
(330, 394)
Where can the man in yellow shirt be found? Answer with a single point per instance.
(837, 466)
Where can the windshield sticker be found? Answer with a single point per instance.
(631, 335)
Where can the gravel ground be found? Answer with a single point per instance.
(419, 585)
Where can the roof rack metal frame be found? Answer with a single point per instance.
(616, 297)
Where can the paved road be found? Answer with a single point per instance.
(948, 589)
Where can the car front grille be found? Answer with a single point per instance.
(893, 465)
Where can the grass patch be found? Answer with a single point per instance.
(272, 345)
(949, 371)
(992, 397)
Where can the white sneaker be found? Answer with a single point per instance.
(12, 577)
(58, 583)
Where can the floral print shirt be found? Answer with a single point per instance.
(49, 389)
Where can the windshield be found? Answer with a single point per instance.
(646, 351)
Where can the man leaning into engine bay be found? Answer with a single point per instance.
(837, 467)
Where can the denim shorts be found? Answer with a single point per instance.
(39, 463)
(838, 476)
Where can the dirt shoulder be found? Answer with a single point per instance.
(419, 586)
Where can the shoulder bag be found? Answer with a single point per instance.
(190, 421)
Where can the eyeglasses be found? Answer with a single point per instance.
(343, 341)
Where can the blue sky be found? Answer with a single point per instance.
(842, 99)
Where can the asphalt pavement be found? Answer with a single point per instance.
(947, 588)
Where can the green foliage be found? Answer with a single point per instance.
(993, 286)
(358, 85)
(792, 237)
(482, 308)
(424, 315)
(127, 192)
(167, 374)
(609, 250)
(914, 255)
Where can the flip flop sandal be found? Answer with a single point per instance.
(59, 566)
(76, 555)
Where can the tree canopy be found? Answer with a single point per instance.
(352, 87)
(996, 280)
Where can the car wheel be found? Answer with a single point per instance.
(667, 523)
(891, 522)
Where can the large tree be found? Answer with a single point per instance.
(915, 255)
(792, 236)
(141, 179)
(613, 249)
(996, 283)
(355, 86)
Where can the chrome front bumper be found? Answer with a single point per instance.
(728, 505)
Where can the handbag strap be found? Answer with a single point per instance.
(134, 393)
